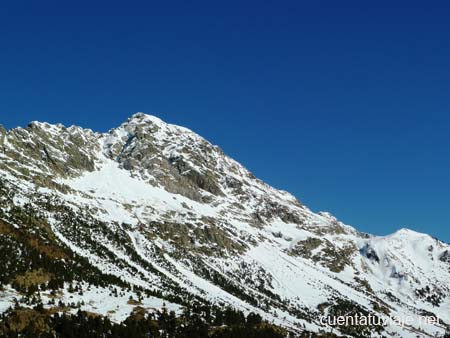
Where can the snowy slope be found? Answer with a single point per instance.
(164, 209)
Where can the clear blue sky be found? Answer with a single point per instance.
(345, 104)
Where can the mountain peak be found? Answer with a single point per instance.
(408, 233)
(160, 208)
(140, 117)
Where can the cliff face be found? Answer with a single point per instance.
(156, 206)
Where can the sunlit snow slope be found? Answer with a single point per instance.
(159, 207)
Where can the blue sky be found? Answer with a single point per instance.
(345, 104)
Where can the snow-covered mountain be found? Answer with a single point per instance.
(156, 206)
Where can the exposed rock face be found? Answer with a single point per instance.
(157, 206)
(42, 148)
(445, 257)
(370, 253)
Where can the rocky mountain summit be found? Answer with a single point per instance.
(159, 213)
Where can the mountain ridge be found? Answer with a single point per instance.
(155, 204)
